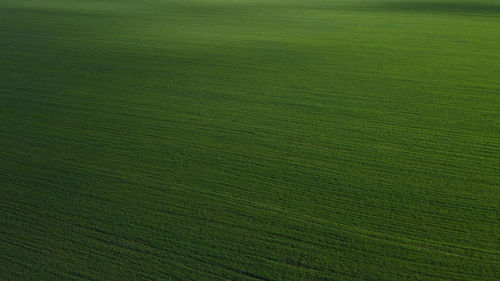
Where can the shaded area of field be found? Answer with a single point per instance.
(249, 140)
(450, 7)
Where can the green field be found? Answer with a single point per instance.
(249, 140)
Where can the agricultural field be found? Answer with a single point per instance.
(249, 140)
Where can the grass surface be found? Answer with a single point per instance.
(249, 140)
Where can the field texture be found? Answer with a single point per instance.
(249, 140)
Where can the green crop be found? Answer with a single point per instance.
(249, 140)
